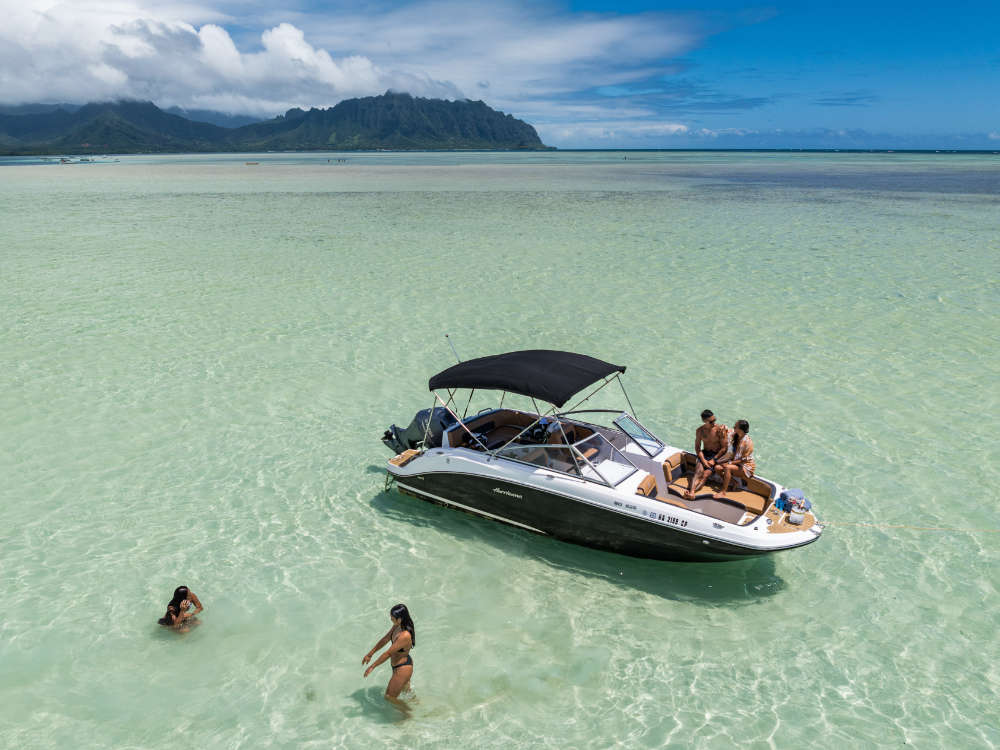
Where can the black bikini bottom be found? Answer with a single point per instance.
(408, 661)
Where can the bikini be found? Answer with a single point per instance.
(407, 662)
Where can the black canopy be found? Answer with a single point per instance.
(548, 375)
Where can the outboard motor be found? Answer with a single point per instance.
(398, 440)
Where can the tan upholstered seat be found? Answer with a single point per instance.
(680, 467)
(672, 467)
(647, 487)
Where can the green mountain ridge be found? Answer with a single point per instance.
(389, 121)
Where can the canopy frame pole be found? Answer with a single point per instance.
(553, 410)
(592, 393)
(631, 408)
(427, 427)
(537, 410)
(471, 394)
(572, 451)
(591, 465)
(503, 395)
(451, 396)
(516, 436)
(460, 422)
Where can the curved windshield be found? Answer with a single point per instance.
(639, 434)
(603, 461)
(555, 457)
(593, 458)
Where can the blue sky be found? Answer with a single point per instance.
(586, 73)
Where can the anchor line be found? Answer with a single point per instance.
(912, 528)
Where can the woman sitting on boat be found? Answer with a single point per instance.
(738, 460)
(402, 635)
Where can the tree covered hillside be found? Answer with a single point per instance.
(389, 121)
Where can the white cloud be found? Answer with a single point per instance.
(82, 52)
(612, 134)
(518, 56)
(722, 132)
(522, 51)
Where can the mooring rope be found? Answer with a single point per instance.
(912, 528)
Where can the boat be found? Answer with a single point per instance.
(593, 477)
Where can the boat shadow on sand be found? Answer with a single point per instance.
(738, 582)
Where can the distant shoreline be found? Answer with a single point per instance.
(550, 149)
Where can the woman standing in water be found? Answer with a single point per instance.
(402, 636)
(178, 617)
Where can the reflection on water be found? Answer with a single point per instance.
(733, 583)
(984, 181)
(372, 705)
(200, 357)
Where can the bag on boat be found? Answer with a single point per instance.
(793, 501)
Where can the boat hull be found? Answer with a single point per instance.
(571, 520)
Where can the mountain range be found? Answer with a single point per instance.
(389, 121)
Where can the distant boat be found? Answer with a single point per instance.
(251, 163)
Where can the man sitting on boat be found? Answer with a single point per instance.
(709, 440)
(738, 459)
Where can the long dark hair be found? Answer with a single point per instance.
(180, 594)
(741, 424)
(401, 613)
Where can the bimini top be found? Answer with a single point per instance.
(539, 373)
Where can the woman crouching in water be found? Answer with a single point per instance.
(178, 615)
(402, 636)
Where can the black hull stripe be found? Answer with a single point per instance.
(572, 520)
(592, 504)
(476, 511)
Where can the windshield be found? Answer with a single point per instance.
(603, 461)
(598, 460)
(555, 457)
(643, 437)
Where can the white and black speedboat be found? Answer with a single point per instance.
(593, 477)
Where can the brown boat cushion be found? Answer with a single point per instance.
(647, 487)
(672, 467)
(750, 500)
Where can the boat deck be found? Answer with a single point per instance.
(749, 500)
(780, 525)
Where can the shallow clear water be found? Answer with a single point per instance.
(200, 355)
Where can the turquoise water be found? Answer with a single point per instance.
(200, 355)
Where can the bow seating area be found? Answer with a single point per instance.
(740, 505)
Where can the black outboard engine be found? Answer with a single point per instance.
(398, 440)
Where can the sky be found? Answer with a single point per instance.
(585, 73)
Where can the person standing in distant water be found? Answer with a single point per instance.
(402, 636)
(738, 460)
(709, 440)
(178, 615)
